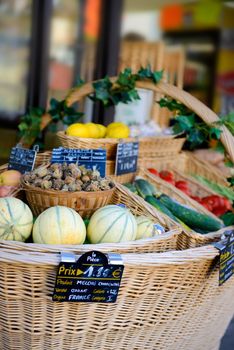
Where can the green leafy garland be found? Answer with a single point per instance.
(124, 90)
(198, 133)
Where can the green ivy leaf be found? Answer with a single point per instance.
(186, 122)
(79, 82)
(215, 133)
(54, 103)
(231, 179)
(196, 138)
(157, 76)
(229, 164)
(219, 147)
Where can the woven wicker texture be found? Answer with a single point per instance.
(186, 163)
(166, 301)
(188, 100)
(121, 195)
(148, 146)
(83, 202)
(188, 238)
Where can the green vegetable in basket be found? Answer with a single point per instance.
(131, 187)
(144, 188)
(220, 189)
(191, 217)
(228, 218)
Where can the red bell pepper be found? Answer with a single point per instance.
(153, 171)
(167, 176)
(196, 198)
(183, 186)
(216, 204)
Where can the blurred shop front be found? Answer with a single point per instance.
(46, 45)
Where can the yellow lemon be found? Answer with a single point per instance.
(102, 130)
(93, 130)
(114, 125)
(118, 132)
(78, 129)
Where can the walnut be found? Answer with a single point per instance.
(65, 188)
(41, 171)
(47, 177)
(73, 187)
(29, 177)
(95, 175)
(85, 178)
(104, 184)
(57, 173)
(56, 166)
(92, 188)
(37, 182)
(79, 182)
(83, 170)
(69, 180)
(46, 184)
(57, 184)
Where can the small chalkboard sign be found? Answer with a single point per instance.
(94, 159)
(226, 259)
(95, 277)
(126, 158)
(22, 159)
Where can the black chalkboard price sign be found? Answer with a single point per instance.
(226, 259)
(22, 159)
(94, 159)
(93, 278)
(126, 158)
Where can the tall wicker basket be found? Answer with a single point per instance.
(188, 100)
(166, 301)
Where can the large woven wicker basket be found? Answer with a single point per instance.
(188, 100)
(166, 301)
(120, 195)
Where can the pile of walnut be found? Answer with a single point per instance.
(67, 177)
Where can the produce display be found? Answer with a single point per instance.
(16, 219)
(62, 225)
(113, 224)
(59, 225)
(67, 177)
(217, 204)
(188, 217)
(9, 182)
(146, 227)
(97, 131)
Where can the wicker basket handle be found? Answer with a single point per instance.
(184, 97)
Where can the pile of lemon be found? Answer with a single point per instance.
(98, 131)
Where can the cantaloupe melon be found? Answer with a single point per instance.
(59, 225)
(112, 224)
(16, 219)
(145, 227)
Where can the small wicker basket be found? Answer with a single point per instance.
(84, 202)
(148, 146)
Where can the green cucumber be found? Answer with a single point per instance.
(131, 187)
(191, 217)
(158, 205)
(144, 188)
